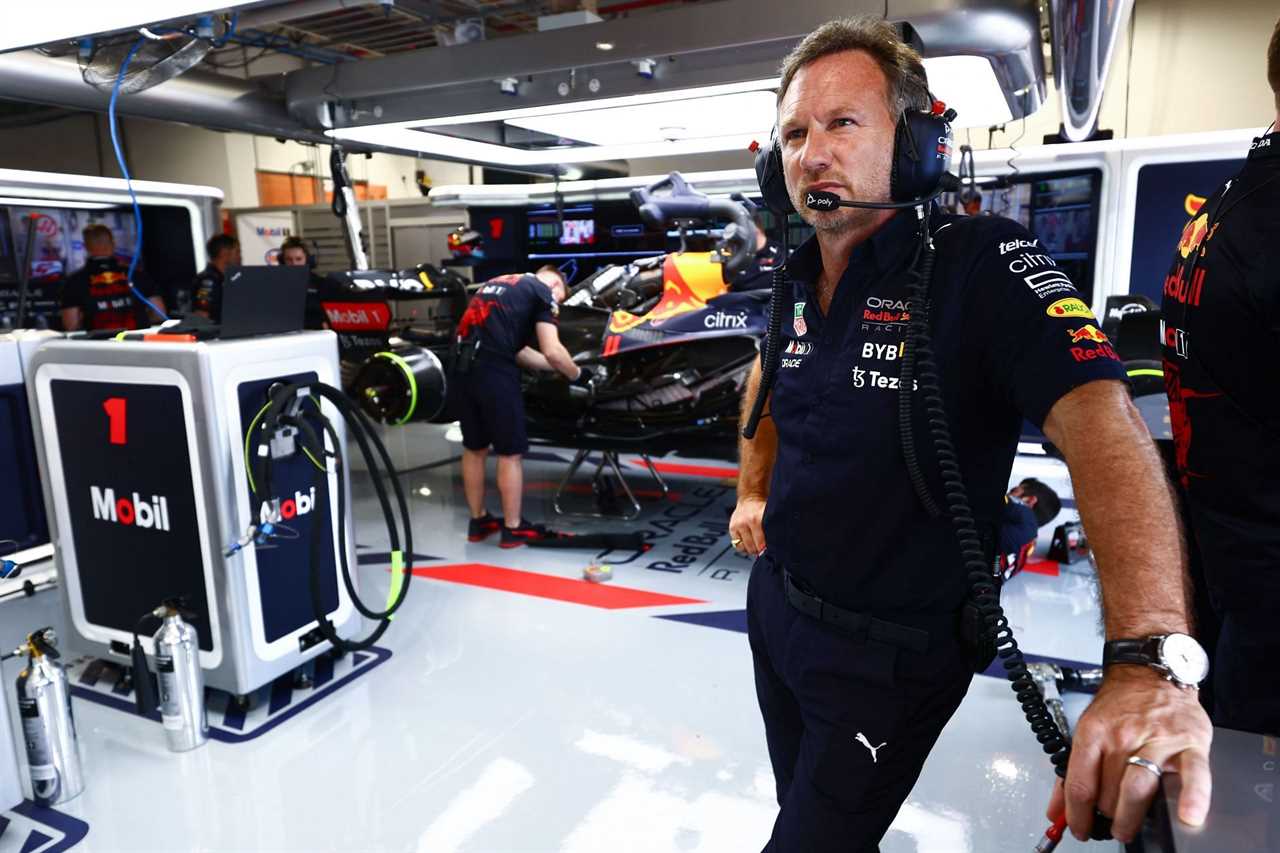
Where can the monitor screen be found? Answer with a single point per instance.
(578, 232)
(1060, 208)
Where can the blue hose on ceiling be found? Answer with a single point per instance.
(124, 170)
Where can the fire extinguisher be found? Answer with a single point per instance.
(178, 676)
(48, 727)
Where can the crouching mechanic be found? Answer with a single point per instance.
(854, 603)
(503, 316)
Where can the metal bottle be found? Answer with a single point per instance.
(48, 727)
(181, 682)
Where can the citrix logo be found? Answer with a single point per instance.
(134, 512)
(299, 504)
(721, 320)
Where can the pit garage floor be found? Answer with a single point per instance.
(519, 713)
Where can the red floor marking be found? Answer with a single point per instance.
(694, 470)
(1042, 567)
(574, 591)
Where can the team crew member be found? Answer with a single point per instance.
(504, 315)
(293, 253)
(853, 617)
(1221, 333)
(206, 300)
(1029, 506)
(98, 296)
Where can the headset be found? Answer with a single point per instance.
(922, 143)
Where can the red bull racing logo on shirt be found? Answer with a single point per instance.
(1193, 235)
(1088, 332)
(134, 511)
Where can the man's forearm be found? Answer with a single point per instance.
(756, 455)
(1127, 506)
(530, 359)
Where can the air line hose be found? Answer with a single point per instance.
(281, 412)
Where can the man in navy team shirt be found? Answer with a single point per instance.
(505, 316)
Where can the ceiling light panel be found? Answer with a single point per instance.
(968, 85)
(744, 113)
(29, 24)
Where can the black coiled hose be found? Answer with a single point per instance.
(361, 429)
(770, 355)
(983, 592)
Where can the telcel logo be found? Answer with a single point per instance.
(135, 511)
(299, 504)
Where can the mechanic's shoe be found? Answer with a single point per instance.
(479, 529)
(514, 537)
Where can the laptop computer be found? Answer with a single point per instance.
(263, 301)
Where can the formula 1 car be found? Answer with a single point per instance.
(675, 335)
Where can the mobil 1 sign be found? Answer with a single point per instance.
(131, 503)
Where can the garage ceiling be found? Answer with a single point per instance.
(376, 73)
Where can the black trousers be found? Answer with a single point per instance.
(849, 722)
(1246, 694)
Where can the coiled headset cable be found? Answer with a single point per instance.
(984, 593)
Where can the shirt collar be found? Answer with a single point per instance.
(879, 254)
(1265, 147)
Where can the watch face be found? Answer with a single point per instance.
(1186, 660)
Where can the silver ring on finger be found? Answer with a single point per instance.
(1139, 761)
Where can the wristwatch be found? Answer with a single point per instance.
(1178, 657)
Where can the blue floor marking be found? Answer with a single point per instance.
(66, 830)
(227, 721)
(736, 620)
(383, 557)
(726, 620)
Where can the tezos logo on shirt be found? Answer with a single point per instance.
(133, 511)
(299, 504)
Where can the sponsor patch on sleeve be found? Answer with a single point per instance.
(1070, 308)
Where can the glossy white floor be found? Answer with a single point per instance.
(512, 722)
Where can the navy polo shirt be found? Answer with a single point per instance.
(1011, 336)
(503, 314)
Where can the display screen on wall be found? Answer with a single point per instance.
(1060, 208)
(1168, 195)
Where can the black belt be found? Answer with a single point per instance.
(858, 624)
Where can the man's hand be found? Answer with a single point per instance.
(588, 380)
(1136, 712)
(746, 526)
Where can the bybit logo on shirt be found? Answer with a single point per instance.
(131, 512)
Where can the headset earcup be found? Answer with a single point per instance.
(921, 155)
(773, 184)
